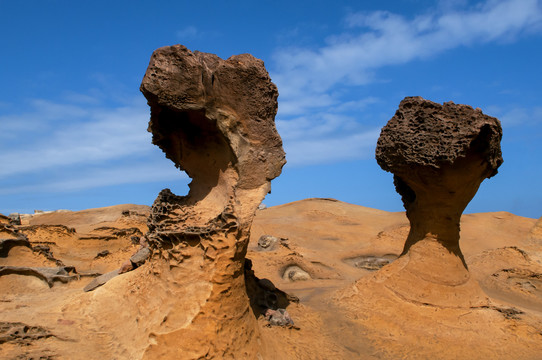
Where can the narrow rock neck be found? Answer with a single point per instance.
(439, 222)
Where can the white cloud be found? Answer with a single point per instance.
(381, 38)
(188, 32)
(135, 173)
(324, 138)
(316, 80)
(315, 106)
(74, 145)
(300, 105)
(323, 150)
(315, 126)
(517, 116)
(75, 135)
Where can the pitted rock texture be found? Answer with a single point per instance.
(439, 155)
(214, 119)
(424, 133)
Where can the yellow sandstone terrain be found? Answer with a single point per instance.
(321, 251)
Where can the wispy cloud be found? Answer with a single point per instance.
(75, 135)
(317, 81)
(324, 138)
(94, 177)
(86, 145)
(517, 116)
(189, 32)
(90, 143)
(377, 39)
(329, 149)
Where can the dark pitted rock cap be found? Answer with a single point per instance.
(425, 133)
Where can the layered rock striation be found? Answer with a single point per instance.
(439, 155)
(214, 119)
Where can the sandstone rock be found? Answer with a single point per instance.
(279, 317)
(295, 273)
(46, 251)
(140, 257)
(267, 243)
(5, 219)
(63, 274)
(8, 231)
(22, 334)
(536, 231)
(267, 284)
(15, 219)
(126, 266)
(100, 280)
(439, 155)
(370, 262)
(214, 119)
(102, 253)
(7, 244)
(264, 295)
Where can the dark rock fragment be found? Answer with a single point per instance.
(140, 257)
(279, 317)
(102, 253)
(63, 274)
(267, 243)
(100, 280)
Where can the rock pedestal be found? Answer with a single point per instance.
(439, 155)
(214, 119)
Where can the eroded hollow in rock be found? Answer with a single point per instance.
(193, 142)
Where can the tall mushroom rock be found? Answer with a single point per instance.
(214, 119)
(439, 155)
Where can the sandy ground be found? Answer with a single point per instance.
(327, 254)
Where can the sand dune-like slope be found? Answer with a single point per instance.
(323, 251)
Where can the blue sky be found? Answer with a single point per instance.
(73, 122)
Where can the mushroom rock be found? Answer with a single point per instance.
(439, 155)
(214, 119)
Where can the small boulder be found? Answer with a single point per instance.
(279, 317)
(102, 253)
(140, 257)
(126, 266)
(295, 273)
(267, 243)
(100, 280)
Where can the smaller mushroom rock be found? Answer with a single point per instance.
(439, 155)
